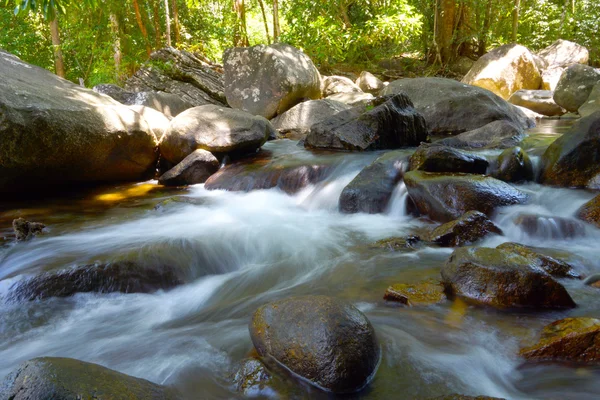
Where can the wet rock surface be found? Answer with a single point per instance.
(501, 279)
(326, 341)
(590, 211)
(445, 197)
(452, 107)
(70, 379)
(549, 227)
(419, 294)
(391, 124)
(495, 135)
(253, 378)
(120, 276)
(513, 165)
(439, 158)
(552, 265)
(25, 230)
(468, 229)
(567, 340)
(195, 168)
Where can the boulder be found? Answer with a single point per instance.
(296, 122)
(439, 158)
(116, 92)
(462, 65)
(551, 77)
(352, 99)
(540, 101)
(553, 266)
(216, 129)
(590, 212)
(575, 85)
(54, 132)
(189, 77)
(195, 168)
(495, 135)
(452, 107)
(338, 84)
(501, 279)
(371, 190)
(391, 124)
(268, 80)
(572, 159)
(323, 340)
(407, 243)
(420, 294)
(169, 104)
(253, 379)
(504, 70)
(369, 83)
(445, 197)
(259, 172)
(530, 113)
(564, 53)
(468, 229)
(120, 276)
(592, 104)
(158, 122)
(70, 379)
(25, 230)
(567, 340)
(513, 165)
(549, 227)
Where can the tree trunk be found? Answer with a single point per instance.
(344, 14)
(176, 21)
(59, 64)
(515, 20)
(485, 30)
(140, 22)
(446, 20)
(167, 23)
(156, 17)
(240, 35)
(264, 15)
(563, 17)
(114, 25)
(276, 28)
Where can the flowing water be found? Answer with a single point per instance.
(241, 250)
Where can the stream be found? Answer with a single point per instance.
(241, 250)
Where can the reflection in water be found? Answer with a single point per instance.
(240, 250)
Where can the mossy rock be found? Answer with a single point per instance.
(70, 379)
(570, 340)
(469, 228)
(590, 212)
(551, 265)
(419, 294)
(407, 243)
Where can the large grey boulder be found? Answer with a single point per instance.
(219, 130)
(500, 134)
(187, 76)
(371, 190)
(326, 341)
(391, 124)
(504, 70)
(445, 197)
(572, 159)
(563, 53)
(369, 83)
(55, 132)
(69, 379)
(268, 80)
(296, 122)
(195, 168)
(575, 86)
(540, 101)
(158, 122)
(452, 107)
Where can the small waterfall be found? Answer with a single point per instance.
(398, 202)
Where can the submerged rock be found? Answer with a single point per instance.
(439, 158)
(69, 379)
(501, 279)
(513, 165)
(195, 168)
(120, 276)
(216, 129)
(296, 122)
(419, 294)
(452, 107)
(572, 159)
(551, 265)
(570, 340)
(25, 230)
(590, 212)
(268, 80)
(575, 86)
(549, 227)
(392, 124)
(371, 190)
(540, 101)
(325, 341)
(495, 135)
(504, 70)
(253, 378)
(445, 197)
(469, 228)
(399, 243)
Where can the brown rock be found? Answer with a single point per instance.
(424, 293)
(25, 230)
(551, 265)
(439, 158)
(195, 168)
(590, 211)
(570, 339)
(469, 228)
